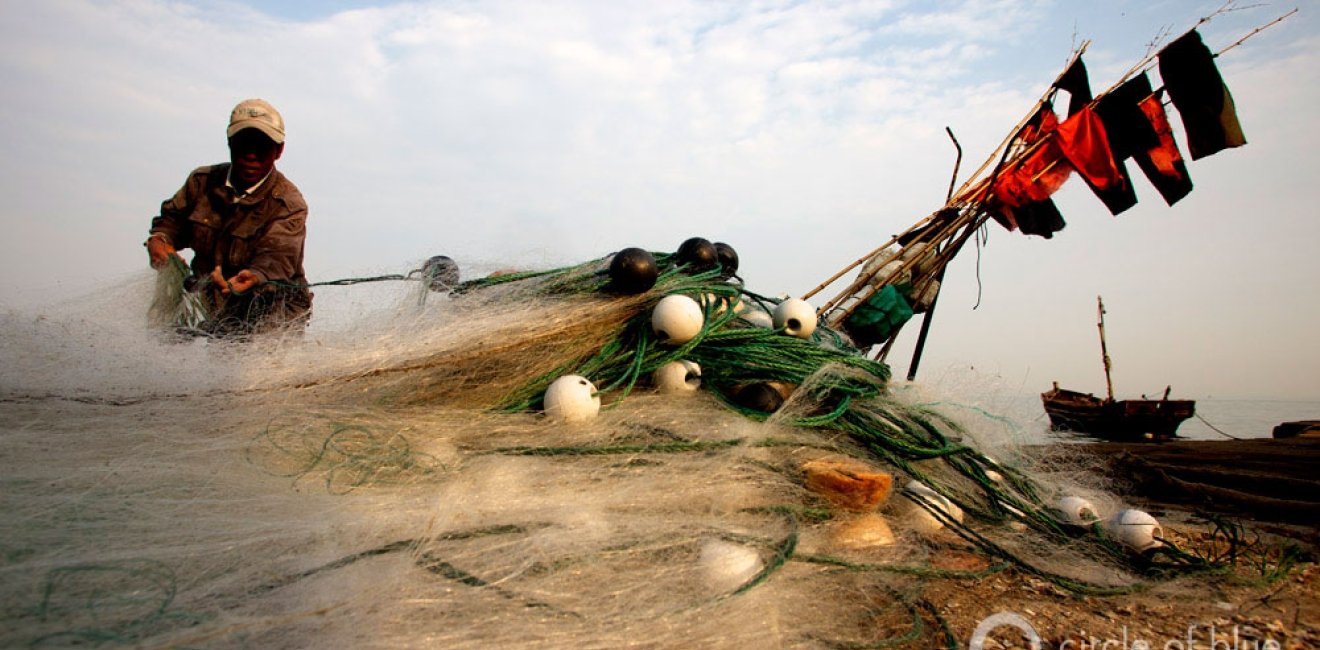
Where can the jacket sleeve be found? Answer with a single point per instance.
(174, 212)
(278, 253)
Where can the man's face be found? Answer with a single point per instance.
(253, 155)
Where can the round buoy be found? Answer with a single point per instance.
(862, 532)
(759, 397)
(572, 398)
(698, 254)
(633, 271)
(677, 319)
(440, 273)
(796, 317)
(1135, 529)
(727, 565)
(917, 516)
(1076, 511)
(728, 259)
(677, 377)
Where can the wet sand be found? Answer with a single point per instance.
(1271, 487)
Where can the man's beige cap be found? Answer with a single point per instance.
(257, 114)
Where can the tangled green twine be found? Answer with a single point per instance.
(116, 614)
(661, 448)
(851, 399)
(350, 455)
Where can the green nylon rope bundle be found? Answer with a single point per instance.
(850, 391)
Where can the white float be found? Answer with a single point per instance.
(727, 566)
(1076, 511)
(1135, 529)
(677, 377)
(865, 531)
(917, 516)
(677, 319)
(572, 398)
(796, 317)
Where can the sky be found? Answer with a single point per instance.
(538, 134)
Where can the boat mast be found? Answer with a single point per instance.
(1104, 350)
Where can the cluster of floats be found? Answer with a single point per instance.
(677, 318)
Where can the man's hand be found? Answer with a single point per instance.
(240, 283)
(159, 251)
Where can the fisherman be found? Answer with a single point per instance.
(246, 224)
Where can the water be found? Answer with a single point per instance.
(1245, 418)
(1233, 418)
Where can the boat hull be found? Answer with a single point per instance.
(1115, 420)
(1300, 428)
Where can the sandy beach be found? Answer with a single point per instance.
(1268, 487)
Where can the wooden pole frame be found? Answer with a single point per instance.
(941, 233)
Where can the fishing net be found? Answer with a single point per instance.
(394, 484)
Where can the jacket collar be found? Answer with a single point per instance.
(239, 195)
(223, 190)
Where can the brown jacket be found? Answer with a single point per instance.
(263, 232)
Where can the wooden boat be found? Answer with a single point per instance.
(1133, 419)
(1130, 419)
(1298, 429)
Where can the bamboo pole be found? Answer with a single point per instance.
(1104, 349)
(925, 331)
(868, 256)
(861, 284)
(1258, 30)
(951, 203)
(968, 220)
(974, 190)
(1012, 135)
(864, 288)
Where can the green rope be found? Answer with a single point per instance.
(351, 455)
(799, 512)
(920, 571)
(781, 555)
(140, 603)
(991, 548)
(916, 630)
(849, 387)
(653, 448)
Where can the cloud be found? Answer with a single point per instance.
(547, 133)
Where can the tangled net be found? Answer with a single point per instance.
(609, 339)
(409, 493)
